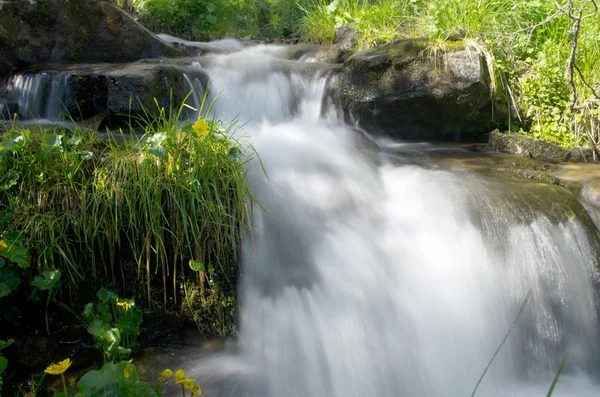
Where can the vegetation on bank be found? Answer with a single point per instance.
(542, 54)
(157, 216)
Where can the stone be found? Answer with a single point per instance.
(399, 90)
(65, 31)
(522, 145)
(115, 90)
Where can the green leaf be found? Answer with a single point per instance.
(16, 251)
(110, 380)
(9, 180)
(3, 364)
(85, 155)
(9, 281)
(52, 143)
(154, 145)
(234, 153)
(106, 296)
(196, 266)
(4, 290)
(75, 140)
(210, 7)
(47, 280)
(6, 147)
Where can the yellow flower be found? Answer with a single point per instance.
(200, 128)
(57, 369)
(127, 371)
(185, 381)
(124, 305)
(3, 245)
(194, 388)
(167, 373)
(179, 375)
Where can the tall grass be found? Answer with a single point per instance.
(132, 210)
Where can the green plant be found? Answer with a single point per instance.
(114, 323)
(122, 211)
(3, 360)
(114, 379)
(48, 280)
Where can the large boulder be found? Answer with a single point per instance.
(402, 90)
(67, 31)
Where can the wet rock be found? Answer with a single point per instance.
(62, 31)
(36, 352)
(346, 39)
(521, 145)
(159, 329)
(112, 90)
(398, 90)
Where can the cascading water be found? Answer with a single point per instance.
(41, 96)
(369, 275)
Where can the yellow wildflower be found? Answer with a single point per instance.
(194, 388)
(3, 245)
(200, 128)
(57, 369)
(124, 305)
(179, 375)
(167, 373)
(127, 371)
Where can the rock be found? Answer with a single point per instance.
(521, 145)
(36, 352)
(62, 31)
(398, 90)
(346, 39)
(111, 90)
(344, 44)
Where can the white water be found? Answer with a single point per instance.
(41, 96)
(367, 278)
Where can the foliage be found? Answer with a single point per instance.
(3, 360)
(208, 304)
(12, 250)
(128, 210)
(200, 19)
(114, 379)
(114, 323)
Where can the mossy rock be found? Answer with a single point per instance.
(404, 90)
(69, 31)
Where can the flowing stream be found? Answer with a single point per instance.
(377, 270)
(371, 274)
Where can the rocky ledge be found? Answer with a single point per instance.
(525, 146)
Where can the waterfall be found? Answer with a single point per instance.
(41, 96)
(369, 274)
(373, 269)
